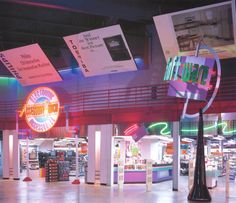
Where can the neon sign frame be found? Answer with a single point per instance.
(41, 109)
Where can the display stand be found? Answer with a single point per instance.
(227, 179)
(76, 132)
(149, 175)
(27, 178)
(76, 181)
(51, 171)
(121, 175)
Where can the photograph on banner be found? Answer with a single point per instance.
(101, 51)
(29, 65)
(215, 25)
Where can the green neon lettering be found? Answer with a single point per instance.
(186, 72)
(194, 73)
(204, 72)
(176, 65)
(169, 70)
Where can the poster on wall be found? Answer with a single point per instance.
(101, 51)
(215, 25)
(29, 65)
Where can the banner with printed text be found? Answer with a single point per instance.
(29, 65)
(101, 51)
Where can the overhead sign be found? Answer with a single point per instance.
(215, 24)
(29, 65)
(42, 109)
(189, 76)
(101, 51)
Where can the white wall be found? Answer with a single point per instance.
(46, 145)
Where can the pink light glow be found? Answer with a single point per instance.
(131, 130)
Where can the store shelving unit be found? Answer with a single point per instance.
(51, 171)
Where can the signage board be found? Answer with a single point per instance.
(42, 109)
(189, 76)
(29, 65)
(101, 51)
(215, 25)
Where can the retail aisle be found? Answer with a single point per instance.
(39, 191)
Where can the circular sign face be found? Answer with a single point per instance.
(42, 109)
(217, 85)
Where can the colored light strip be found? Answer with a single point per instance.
(223, 124)
(131, 130)
(164, 128)
(6, 80)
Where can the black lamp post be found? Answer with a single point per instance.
(199, 190)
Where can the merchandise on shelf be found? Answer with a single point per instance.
(63, 170)
(51, 171)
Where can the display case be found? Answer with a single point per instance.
(137, 173)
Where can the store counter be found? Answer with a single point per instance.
(159, 173)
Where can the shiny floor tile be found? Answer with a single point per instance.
(39, 191)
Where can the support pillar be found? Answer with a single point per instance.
(106, 160)
(100, 154)
(91, 154)
(11, 162)
(176, 156)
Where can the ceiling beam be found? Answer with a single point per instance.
(109, 8)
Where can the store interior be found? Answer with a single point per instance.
(53, 159)
(45, 153)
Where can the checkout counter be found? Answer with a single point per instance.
(137, 173)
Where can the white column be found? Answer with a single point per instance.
(5, 154)
(16, 156)
(11, 158)
(106, 160)
(76, 157)
(176, 156)
(91, 154)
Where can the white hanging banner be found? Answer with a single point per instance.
(29, 65)
(215, 24)
(101, 51)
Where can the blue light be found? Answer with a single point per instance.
(139, 62)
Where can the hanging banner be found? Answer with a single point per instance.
(215, 24)
(101, 51)
(29, 65)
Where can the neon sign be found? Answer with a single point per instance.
(191, 72)
(189, 76)
(223, 124)
(164, 130)
(42, 109)
(131, 130)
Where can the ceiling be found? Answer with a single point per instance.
(46, 22)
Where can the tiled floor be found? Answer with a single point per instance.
(38, 191)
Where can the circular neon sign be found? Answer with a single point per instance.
(42, 109)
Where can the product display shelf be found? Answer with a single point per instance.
(232, 165)
(63, 170)
(51, 171)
